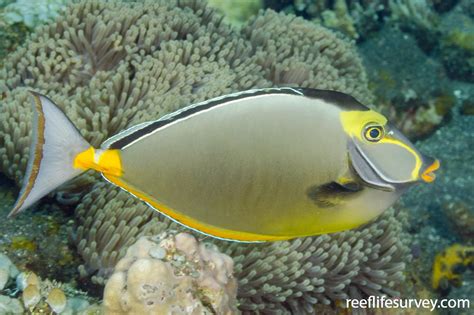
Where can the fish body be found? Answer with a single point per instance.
(259, 165)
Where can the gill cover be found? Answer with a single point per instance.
(386, 161)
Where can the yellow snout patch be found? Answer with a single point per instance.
(418, 162)
(107, 162)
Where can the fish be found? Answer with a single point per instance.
(259, 165)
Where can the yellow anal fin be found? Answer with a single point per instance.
(193, 223)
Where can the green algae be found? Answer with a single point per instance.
(23, 243)
(460, 34)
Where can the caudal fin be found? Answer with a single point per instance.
(55, 142)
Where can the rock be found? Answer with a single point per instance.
(31, 296)
(7, 270)
(56, 300)
(411, 88)
(467, 107)
(457, 45)
(76, 305)
(25, 279)
(399, 71)
(10, 306)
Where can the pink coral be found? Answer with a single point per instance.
(172, 274)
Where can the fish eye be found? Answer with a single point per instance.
(373, 133)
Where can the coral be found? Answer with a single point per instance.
(43, 296)
(129, 64)
(170, 273)
(10, 37)
(109, 221)
(461, 218)
(77, 305)
(56, 300)
(31, 296)
(292, 51)
(457, 46)
(237, 12)
(467, 107)
(26, 279)
(340, 19)
(40, 296)
(10, 305)
(450, 264)
(22, 243)
(467, 6)
(32, 13)
(359, 19)
(443, 6)
(38, 242)
(411, 90)
(111, 65)
(291, 275)
(418, 120)
(7, 270)
(294, 276)
(354, 18)
(413, 12)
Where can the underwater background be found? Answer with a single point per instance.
(113, 64)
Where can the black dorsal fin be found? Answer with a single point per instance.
(132, 134)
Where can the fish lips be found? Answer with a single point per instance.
(430, 165)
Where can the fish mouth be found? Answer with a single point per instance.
(428, 174)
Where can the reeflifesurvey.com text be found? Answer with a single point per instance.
(386, 302)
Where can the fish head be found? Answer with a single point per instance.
(381, 155)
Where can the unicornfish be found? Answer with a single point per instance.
(259, 165)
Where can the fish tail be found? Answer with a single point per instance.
(54, 147)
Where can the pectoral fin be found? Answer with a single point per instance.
(333, 193)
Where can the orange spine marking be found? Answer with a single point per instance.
(85, 160)
(107, 162)
(110, 163)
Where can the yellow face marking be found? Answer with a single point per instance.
(418, 161)
(108, 161)
(192, 223)
(353, 122)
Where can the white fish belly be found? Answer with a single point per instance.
(245, 166)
